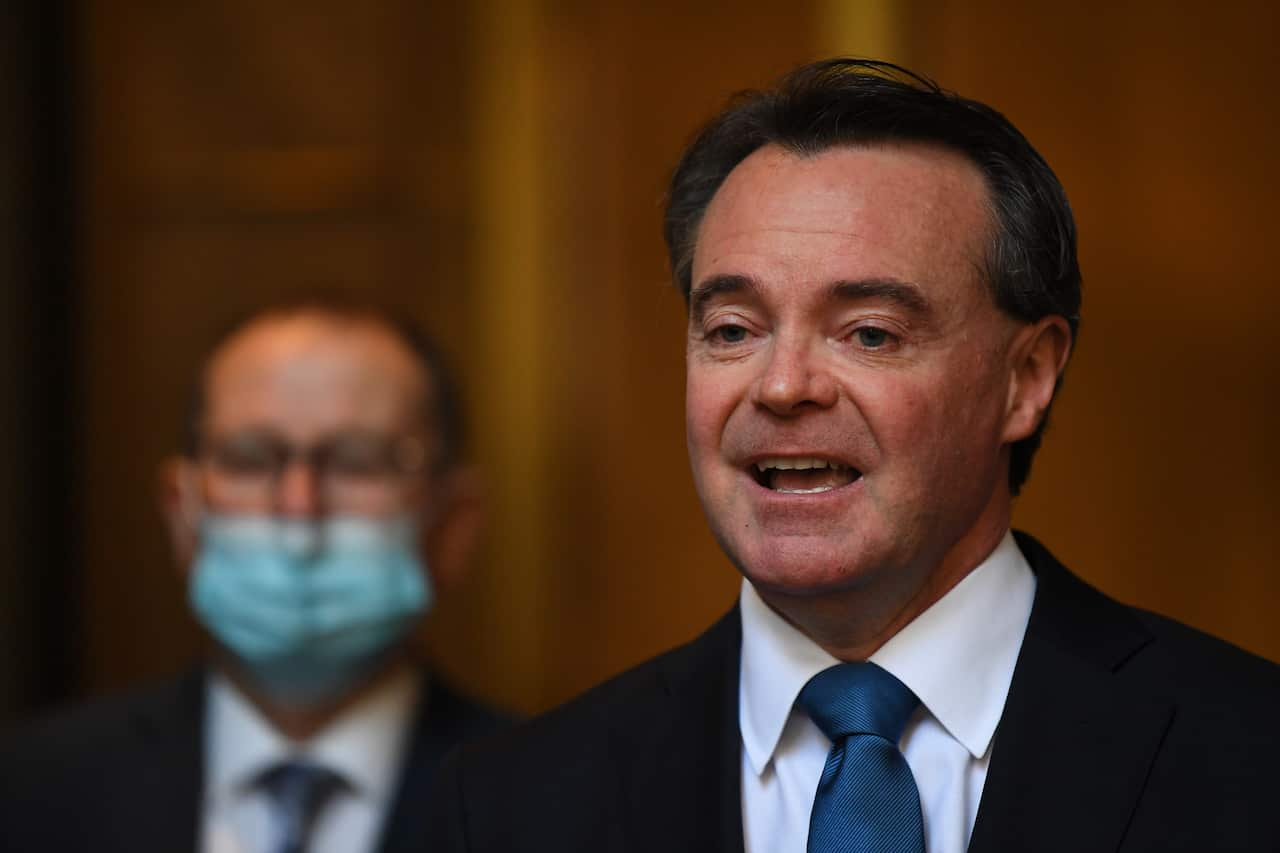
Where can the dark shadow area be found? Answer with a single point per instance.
(40, 582)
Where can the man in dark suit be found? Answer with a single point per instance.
(883, 293)
(321, 501)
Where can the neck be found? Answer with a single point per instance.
(302, 722)
(851, 624)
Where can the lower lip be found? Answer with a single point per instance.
(814, 500)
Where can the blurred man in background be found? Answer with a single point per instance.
(320, 503)
(883, 293)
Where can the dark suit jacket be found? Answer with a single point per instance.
(1123, 731)
(126, 774)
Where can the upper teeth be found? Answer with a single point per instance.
(797, 464)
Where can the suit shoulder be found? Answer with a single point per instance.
(1222, 694)
(563, 774)
(465, 717)
(91, 734)
(583, 717)
(1200, 663)
(1154, 653)
(624, 700)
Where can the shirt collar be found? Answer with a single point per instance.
(364, 745)
(957, 656)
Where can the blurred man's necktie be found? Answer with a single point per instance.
(298, 791)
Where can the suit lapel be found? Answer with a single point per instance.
(1074, 745)
(444, 720)
(679, 767)
(404, 827)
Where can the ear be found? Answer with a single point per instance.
(178, 483)
(1038, 355)
(453, 526)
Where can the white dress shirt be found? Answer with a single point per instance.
(957, 656)
(364, 746)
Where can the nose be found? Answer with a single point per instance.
(795, 378)
(298, 493)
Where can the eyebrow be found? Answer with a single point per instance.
(903, 293)
(718, 285)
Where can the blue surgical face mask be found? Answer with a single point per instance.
(307, 607)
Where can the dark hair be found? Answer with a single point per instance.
(444, 410)
(1031, 265)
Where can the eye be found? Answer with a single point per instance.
(729, 334)
(360, 458)
(358, 461)
(873, 337)
(247, 455)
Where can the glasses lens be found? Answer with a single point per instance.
(248, 456)
(356, 466)
(360, 459)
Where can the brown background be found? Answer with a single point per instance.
(497, 168)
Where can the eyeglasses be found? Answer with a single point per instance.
(344, 464)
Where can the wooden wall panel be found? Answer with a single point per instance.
(236, 152)
(498, 167)
(1158, 478)
(601, 558)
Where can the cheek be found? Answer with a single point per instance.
(933, 423)
(373, 501)
(707, 408)
(898, 410)
(222, 496)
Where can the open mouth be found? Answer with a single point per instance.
(803, 476)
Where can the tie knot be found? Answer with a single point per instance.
(858, 698)
(300, 789)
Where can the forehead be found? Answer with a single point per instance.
(309, 375)
(913, 212)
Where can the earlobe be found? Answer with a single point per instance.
(1038, 356)
(180, 505)
(453, 531)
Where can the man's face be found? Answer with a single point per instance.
(308, 416)
(842, 338)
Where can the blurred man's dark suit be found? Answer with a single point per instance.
(1123, 731)
(126, 774)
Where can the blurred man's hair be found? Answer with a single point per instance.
(1031, 263)
(442, 410)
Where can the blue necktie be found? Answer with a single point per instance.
(867, 800)
(298, 791)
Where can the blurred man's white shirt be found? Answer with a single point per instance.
(365, 746)
(957, 657)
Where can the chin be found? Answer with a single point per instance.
(805, 568)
